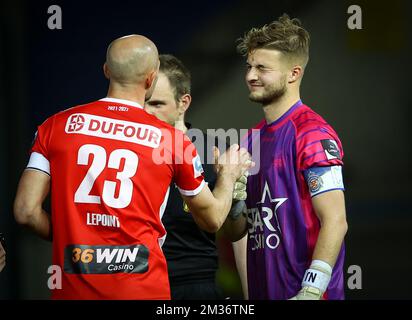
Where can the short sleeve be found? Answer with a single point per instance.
(188, 173)
(39, 153)
(320, 147)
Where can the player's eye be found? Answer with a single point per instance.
(155, 104)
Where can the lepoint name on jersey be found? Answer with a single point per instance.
(105, 220)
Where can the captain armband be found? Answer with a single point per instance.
(323, 179)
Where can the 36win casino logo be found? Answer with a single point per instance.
(106, 259)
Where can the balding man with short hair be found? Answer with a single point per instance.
(128, 60)
(108, 165)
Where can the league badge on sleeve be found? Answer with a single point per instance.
(197, 166)
(331, 149)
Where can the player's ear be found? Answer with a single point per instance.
(184, 103)
(151, 80)
(106, 71)
(295, 74)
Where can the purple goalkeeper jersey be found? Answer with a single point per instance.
(282, 225)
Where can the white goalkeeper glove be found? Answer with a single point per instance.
(315, 281)
(239, 192)
(239, 195)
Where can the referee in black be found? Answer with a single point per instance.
(191, 253)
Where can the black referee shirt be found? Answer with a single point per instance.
(190, 252)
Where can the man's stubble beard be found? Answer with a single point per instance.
(271, 94)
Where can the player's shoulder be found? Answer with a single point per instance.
(161, 124)
(164, 126)
(316, 141)
(306, 118)
(74, 109)
(95, 108)
(310, 124)
(259, 125)
(252, 133)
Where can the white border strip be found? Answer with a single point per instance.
(192, 192)
(122, 101)
(39, 162)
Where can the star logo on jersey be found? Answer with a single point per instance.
(263, 223)
(278, 202)
(76, 123)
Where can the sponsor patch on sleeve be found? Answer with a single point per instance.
(331, 149)
(322, 179)
(197, 166)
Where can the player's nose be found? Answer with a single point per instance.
(251, 75)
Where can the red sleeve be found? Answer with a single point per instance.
(318, 146)
(188, 173)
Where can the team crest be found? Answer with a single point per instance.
(315, 182)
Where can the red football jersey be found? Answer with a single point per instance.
(111, 164)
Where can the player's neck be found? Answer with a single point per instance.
(180, 124)
(135, 95)
(278, 108)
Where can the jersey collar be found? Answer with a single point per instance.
(277, 123)
(122, 101)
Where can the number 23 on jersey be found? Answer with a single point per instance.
(99, 163)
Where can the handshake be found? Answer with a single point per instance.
(240, 161)
(239, 158)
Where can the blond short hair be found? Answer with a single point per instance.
(285, 35)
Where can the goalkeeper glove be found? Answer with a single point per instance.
(239, 192)
(315, 281)
(239, 195)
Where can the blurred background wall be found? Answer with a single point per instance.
(358, 80)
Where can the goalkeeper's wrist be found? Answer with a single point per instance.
(318, 275)
(237, 209)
